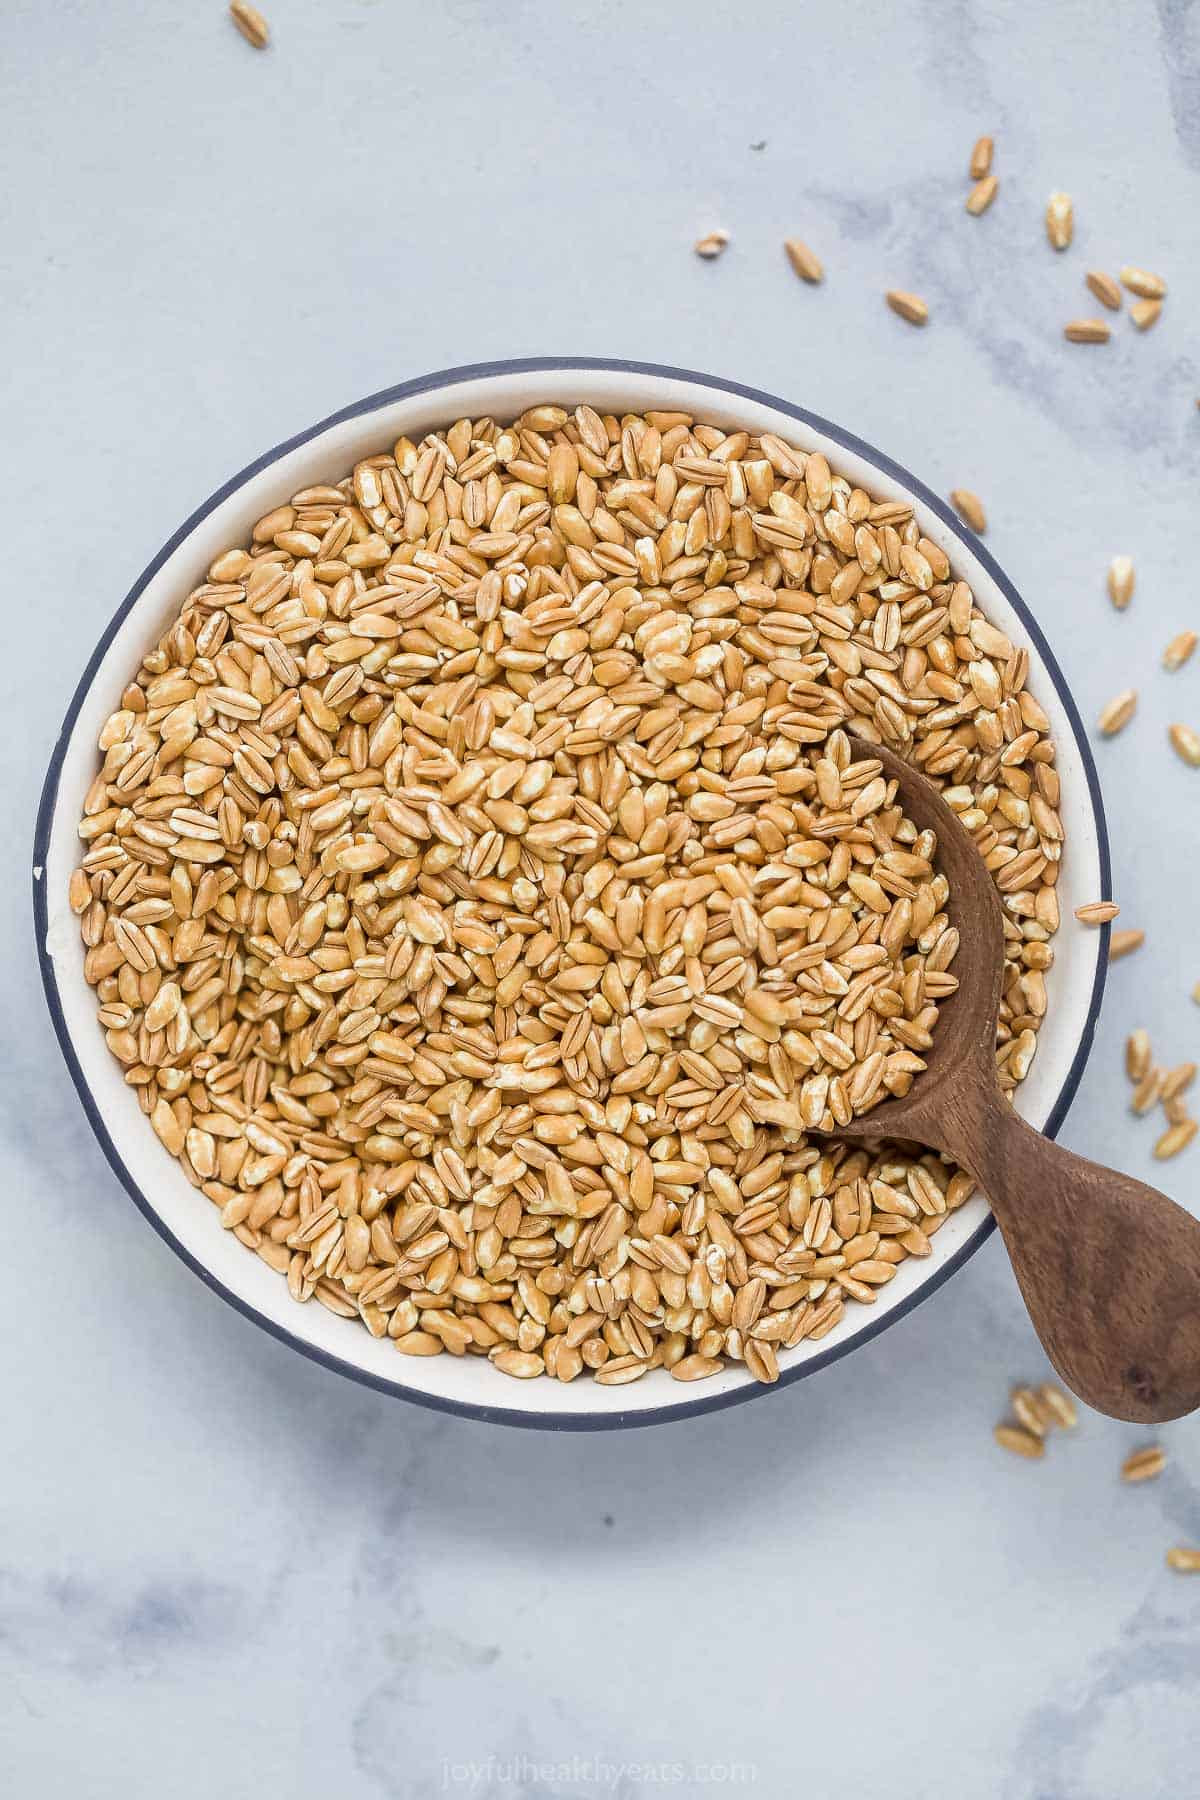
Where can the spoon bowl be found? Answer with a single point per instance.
(965, 1037)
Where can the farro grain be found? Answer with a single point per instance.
(1177, 1080)
(1020, 1442)
(982, 195)
(1138, 1054)
(250, 23)
(1097, 912)
(521, 1363)
(1059, 1406)
(1106, 290)
(1060, 220)
(1121, 580)
(907, 306)
(1142, 282)
(1087, 331)
(1147, 1092)
(1187, 1562)
(1145, 313)
(1179, 649)
(969, 508)
(1144, 1465)
(711, 244)
(1029, 1411)
(481, 896)
(761, 1360)
(981, 158)
(1177, 1137)
(1123, 943)
(695, 1368)
(807, 265)
(1186, 743)
(1116, 715)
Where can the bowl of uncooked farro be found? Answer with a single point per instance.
(467, 919)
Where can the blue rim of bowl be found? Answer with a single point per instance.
(503, 1415)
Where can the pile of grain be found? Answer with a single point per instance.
(483, 899)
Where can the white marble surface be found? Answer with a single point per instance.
(226, 1572)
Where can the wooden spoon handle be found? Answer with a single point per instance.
(1110, 1269)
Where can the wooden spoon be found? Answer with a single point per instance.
(1109, 1268)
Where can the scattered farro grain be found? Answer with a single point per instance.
(1141, 281)
(1145, 313)
(969, 508)
(908, 306)
(1019, 1441)
(1186, 1561)
(1060, 220)
(1123, 943)
(807, 266)
(483, 901)
(1186, 743)
(711, 244)
(1059, 1406)
(1138, 1054)
(1179, 649)
(1029, 1411)
(1121, 581)
(250, 23)
(1087, 331)
(1175, 1110)
(1196, 993)
(1178, 1080)
(1144, 1465)
(1147, 1092)
(1177, 1137)
(981, 158)
(1097, 912)
(1106, 290)
(982, 195)
(1116, 715)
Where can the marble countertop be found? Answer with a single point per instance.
(224, 1571)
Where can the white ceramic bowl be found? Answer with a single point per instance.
(187, 1222)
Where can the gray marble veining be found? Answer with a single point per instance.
(224, 1571)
